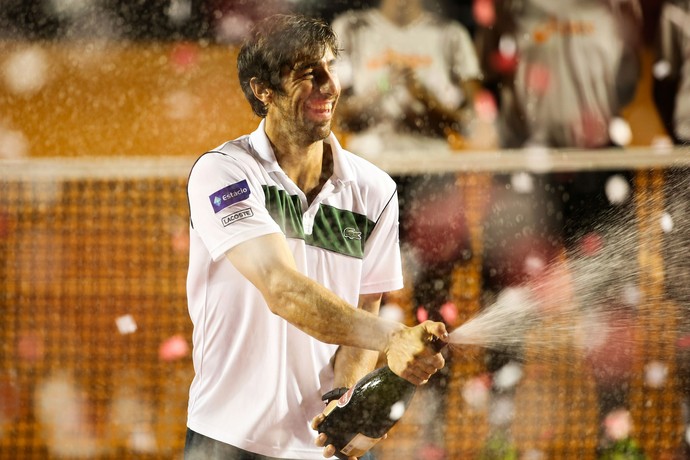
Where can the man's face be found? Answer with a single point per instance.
(305, 108)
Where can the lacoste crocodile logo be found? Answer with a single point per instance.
(352, 234)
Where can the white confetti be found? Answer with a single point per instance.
(666, 222)
(620, 131)
(25, 71)
(126, 324)
(475, 392)
(617, 189)
(393, 312)
(13, 144)
(508, 376)
(655, 374)
(397, 410)
(661, 69)
(522, 182)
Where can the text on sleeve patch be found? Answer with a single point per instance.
(229, 195)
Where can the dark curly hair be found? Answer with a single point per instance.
(276, 42)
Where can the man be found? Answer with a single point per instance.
(563, 72)
(289, 232)
(409, 78)
(672, 71)
(671, 90)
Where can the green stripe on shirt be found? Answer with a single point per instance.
(338, 230)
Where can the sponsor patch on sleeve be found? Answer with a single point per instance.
(229, 195)
(238, 215)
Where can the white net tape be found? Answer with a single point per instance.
(537, 160)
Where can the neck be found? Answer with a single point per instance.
(401, 12)
(308, 165)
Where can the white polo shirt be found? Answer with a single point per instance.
(258, 380)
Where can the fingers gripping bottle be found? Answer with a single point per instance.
(367, 411)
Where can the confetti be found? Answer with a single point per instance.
(126, 324)
(173, 348)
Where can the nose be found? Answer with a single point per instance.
(328, 83)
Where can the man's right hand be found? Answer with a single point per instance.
(410, 355)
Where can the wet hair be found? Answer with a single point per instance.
(277, 42)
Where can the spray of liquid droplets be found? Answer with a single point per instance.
(592, 296)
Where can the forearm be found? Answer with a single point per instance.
(323, 315)
(437, 116)
(351, 364)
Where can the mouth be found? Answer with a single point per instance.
(320, 110)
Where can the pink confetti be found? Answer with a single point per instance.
(422, 314)
(538, 78)
(30, 347)
(618, 424)
(449, 313)
(184, 56)
(485, 106)
(484, 12)
(684, 342)
(174, 348)
(591, 244)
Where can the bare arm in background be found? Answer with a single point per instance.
(437, 118)
(426, 114)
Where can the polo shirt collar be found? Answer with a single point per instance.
(342, 170)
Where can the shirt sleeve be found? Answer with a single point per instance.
(465, 63)
(382, 266)
(227, 204)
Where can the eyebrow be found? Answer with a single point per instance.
(305, 65)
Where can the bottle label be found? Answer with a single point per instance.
(359, 445)
(344, 399)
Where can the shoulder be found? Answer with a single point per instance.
(369, 177)
(449, 25)
(232, 154)
(671, 6)
(353, 20)
(230, 163)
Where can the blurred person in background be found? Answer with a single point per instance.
(671, 90)
(293, 240)
(562, 73)
(672, 69)
(409, 77)
(562, 70)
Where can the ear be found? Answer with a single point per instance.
(261, 90)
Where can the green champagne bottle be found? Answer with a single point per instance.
(367, 411)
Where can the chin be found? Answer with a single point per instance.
(321, 132)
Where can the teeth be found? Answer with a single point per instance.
(321, 106)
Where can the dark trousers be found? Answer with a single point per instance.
(200, 447)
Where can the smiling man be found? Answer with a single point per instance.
(293, 240)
